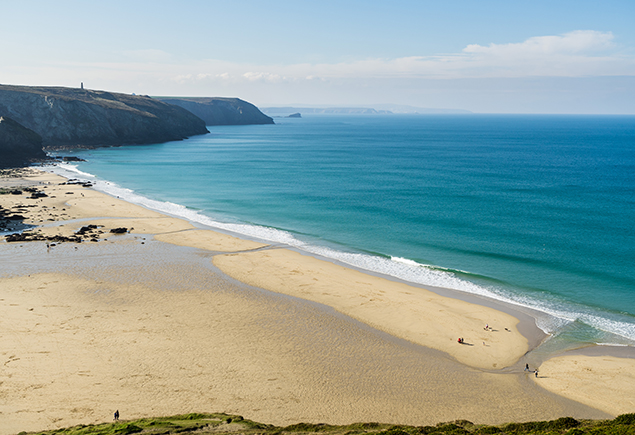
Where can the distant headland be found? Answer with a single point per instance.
(220, 111)
(377, 109)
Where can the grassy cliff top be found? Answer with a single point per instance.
(224, 423)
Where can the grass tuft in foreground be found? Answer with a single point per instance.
(237, 425)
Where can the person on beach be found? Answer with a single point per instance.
(117, 415)
(536, 372)
(526, 367)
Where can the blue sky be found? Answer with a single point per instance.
(485, 56)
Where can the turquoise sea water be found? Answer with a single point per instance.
(536, 210)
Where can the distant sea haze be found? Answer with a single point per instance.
(534, 210)
(381, 109)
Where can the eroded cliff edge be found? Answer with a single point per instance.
(73, 117)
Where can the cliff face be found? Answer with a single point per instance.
(68, 117)
(221, 111)
(18, 145)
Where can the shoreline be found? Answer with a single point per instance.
(527, 324)
(326, 389)
(387, 267)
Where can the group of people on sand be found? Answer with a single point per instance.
(527, 369)
(487, 328)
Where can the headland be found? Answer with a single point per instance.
(78, 117)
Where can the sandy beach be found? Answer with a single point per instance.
(168, 318)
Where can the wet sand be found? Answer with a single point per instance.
(169, 318)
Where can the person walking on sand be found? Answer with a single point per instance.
(526, 367)
(536, 373)
(117, 415)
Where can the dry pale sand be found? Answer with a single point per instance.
(154, 328)
(412, 313)
(604, 382)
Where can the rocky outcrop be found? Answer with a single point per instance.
(221, 111)
(70, 117)
(19, 145)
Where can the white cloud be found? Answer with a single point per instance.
(263, 77)
(577, 42)
(581, 53)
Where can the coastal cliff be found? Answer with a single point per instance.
(18, 144)
(221, 111)
(73, 117)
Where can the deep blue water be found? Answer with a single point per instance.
(538, 210)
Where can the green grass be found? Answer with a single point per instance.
(235, 424)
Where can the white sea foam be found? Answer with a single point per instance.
(556, 313)
(612, 344)
(70, 171)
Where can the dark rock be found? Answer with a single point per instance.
(36, 195)
(18, 237)
(32, 237)
(72, 159)
(86, 229)
(70, 117)
(81, 183)
(19, 145)
(221, 111)
(119, 230)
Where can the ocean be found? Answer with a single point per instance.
(534, 210)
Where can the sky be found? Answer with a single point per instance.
(487, 56)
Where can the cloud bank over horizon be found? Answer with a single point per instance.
(580, 53)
